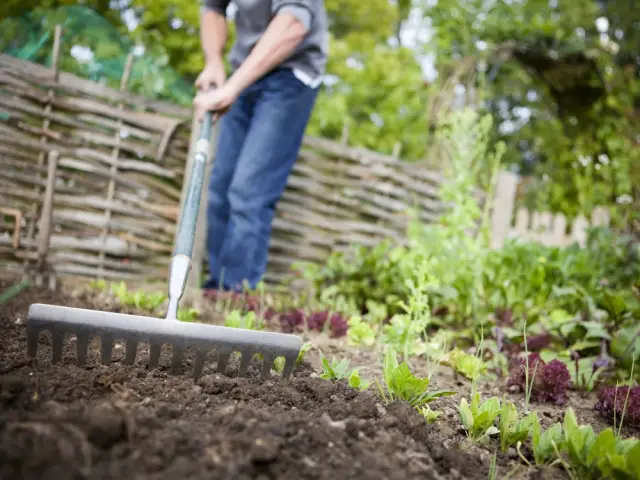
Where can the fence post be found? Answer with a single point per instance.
(44, 227)
(115, 156)
(503, 205)
(32, 216)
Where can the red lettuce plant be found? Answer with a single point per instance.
(548, 382)
(611, 405)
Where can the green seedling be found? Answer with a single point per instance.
(594, 456)
(279, 362)
(360, 332)
(339, 370)
(403, 385)
(188, 314)
(248, 320)
(478, 418)
(470, 366)
(356, 382)
(546, 444)
(513, 430)
(429, 415)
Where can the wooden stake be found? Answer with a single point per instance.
(46, 217)
(45, 126)
(115, 153)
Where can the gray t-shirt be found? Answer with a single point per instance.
(308, 61)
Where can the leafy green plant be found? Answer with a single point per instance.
(478, 418)
(360, 332)
(247, 320)
(470, 366)
(278, 364)
(512, 429)
(592, 456)
(429, 415)
(188, 314)
(545, 445)
(401, 384)
(146, 301)
(339, 370)
(334, 370)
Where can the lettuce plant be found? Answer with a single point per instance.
(547, 382)
(618, 404)
(547, 444)
(512, 429)
(604, 455)
(403, 385)
(479, 418)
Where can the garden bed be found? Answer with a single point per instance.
(114, 421)
(126, 422)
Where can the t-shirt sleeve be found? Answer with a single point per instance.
(219, 6)
(301, 9)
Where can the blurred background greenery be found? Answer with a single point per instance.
(560, 78)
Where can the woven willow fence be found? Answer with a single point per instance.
(91, 181)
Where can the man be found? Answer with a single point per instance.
(278, 61)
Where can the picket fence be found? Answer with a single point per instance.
(532, 226)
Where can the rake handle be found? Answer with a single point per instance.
(191, 206)
(181, 261)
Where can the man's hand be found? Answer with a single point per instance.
(218, 100)
(213, 75)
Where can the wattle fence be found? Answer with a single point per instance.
(91, 182)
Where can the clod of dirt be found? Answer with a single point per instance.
(105, 424)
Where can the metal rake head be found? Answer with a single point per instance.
(135, 329)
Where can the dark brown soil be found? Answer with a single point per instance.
(113, 421)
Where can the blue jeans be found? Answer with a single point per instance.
(258, 143)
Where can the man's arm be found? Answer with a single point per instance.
(213, 29)
(290, 24)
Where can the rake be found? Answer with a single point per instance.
(157, 332)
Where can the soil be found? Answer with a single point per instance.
(115, 421)
(112, 421)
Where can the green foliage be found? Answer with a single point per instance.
(339, 370)
(512, 429)
(94, 46)
(604, 455)
(471, 366)
(478, 418)
(545, 445)
(565, 99)
(360, 332)
(246, 320)
(401, 384)
(279, 362)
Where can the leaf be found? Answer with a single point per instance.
(466, 415)
(544, 447)
(604, 445)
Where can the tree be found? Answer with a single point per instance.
(563, 98)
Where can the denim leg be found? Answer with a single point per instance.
(233, 129)
(281, 111)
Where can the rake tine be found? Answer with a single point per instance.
(223, 360)
(82, 346)
(245, 362)
(154, 355)
(176, 360)
(289, 363)
(106, 345)
(32, 342)
(198, 365)
(130, 352)
(265, 373)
